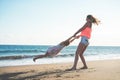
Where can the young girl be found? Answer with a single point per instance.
(85, 36)
(53, 51)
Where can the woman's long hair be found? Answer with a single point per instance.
(93, 19)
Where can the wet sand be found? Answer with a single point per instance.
(98, 70)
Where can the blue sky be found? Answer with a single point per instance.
(46, 22)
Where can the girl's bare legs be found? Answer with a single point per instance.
(80, 50)
(40, 56)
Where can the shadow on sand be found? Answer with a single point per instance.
(35, 75)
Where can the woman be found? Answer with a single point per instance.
(85, 36)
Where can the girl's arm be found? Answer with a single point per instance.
(76, 37)
(66, 40)
(72, 40)
(69, 38)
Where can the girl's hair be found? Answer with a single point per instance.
(93, 19)
(66, 43)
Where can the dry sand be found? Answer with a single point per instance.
(98, 70)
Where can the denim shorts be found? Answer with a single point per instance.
(84, 40)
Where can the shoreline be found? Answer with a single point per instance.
(45, 61)
(29, 61)
(97, 70)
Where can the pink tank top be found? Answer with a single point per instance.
(86, 32)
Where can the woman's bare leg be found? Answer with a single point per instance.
(76, 58)
(80, 50)
(75, 61)
(82, 57)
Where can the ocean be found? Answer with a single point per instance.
(14, 55)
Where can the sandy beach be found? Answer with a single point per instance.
(98, 70)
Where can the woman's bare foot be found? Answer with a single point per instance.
(71, 69)
(85, 67)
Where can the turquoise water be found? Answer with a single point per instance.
(11, 55)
